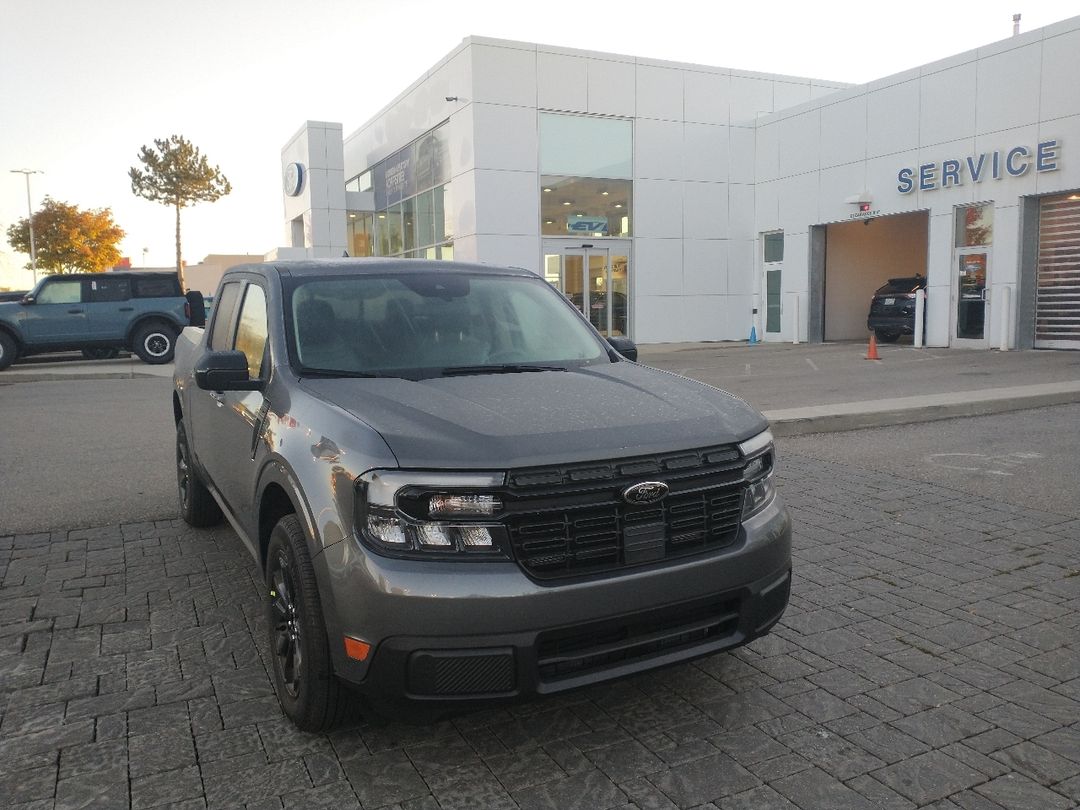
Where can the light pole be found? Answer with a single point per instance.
(30, 218)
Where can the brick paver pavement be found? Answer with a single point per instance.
(929, 658)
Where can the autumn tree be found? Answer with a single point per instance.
(69, 239)
(174, 172)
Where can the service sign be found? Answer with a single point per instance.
(1015, 162)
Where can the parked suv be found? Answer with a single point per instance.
(458, 492)
(892, 309)
(99, 313)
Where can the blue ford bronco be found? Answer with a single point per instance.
(99, 314)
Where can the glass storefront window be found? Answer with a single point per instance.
(361, 234)
(444, 224)
(975, 225)
(584, 206)
(586, 146)
(408, 229)
(425, 219)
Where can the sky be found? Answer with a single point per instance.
(83, 85)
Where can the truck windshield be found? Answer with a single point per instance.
(418, 325)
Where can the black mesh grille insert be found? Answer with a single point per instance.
(461, 672)
(571, 521)
(600, 645)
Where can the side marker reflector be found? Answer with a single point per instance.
(357, 649)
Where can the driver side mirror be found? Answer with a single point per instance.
(27, 299)
(225, 371)
(624, 346)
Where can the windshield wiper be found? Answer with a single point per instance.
(502, 368)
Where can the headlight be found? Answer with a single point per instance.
(758, 453)
(426, 515)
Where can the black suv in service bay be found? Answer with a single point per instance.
(892, 309)
(459, 493)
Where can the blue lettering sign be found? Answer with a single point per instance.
(927, 176)
(1010, 165)
(1046, 159)
(1016, 161)
(950, 170)
(976, 169)
(905, 183)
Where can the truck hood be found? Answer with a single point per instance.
(500, 421)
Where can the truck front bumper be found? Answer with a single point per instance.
(453, 633)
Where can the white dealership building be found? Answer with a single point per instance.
(678, 202)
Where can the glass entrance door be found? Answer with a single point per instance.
(972, 267)
(596, 280)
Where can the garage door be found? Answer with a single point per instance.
(1057, 302)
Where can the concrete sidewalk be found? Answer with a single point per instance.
(817, 388)
(805, 388)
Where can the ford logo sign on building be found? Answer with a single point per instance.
(645, 493)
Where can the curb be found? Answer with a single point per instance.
(910, 410)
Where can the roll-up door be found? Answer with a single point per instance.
(1057, 301)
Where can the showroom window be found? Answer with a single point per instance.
(412, 217)
(586, 166)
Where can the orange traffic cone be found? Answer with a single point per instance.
(871, 353)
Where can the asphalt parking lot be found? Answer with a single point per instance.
(928, 659)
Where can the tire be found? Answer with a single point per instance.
(8, 350)
(101, 354)
(884, 336)
(197, 506)
(155, 343)
(309, 692)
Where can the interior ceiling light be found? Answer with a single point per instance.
(547, 189)
(604, 193)
(618, 205)
(549, 222)
(567, 202)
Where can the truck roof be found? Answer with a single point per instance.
(370, 266)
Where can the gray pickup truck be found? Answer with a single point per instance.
(99, 314)
(458, 492)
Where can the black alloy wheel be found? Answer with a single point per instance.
(303, 673)
(155, 343)
(287, 631)
(197, 506)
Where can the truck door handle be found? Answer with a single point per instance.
(127, 309)
(74, 311)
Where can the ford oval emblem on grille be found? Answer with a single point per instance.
(645, 493)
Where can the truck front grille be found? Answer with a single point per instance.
(572, 521)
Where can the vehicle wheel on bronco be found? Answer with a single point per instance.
(101, 353)
(8, 351)
(155, 343)
(885, 336)
(197, 506)
(309, 692)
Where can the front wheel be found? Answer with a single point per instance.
(155, 343)
(309, 692)
(885, 336)
(8, 350)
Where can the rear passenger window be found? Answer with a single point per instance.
(221, 330)
(164, 287)
(110, 289)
